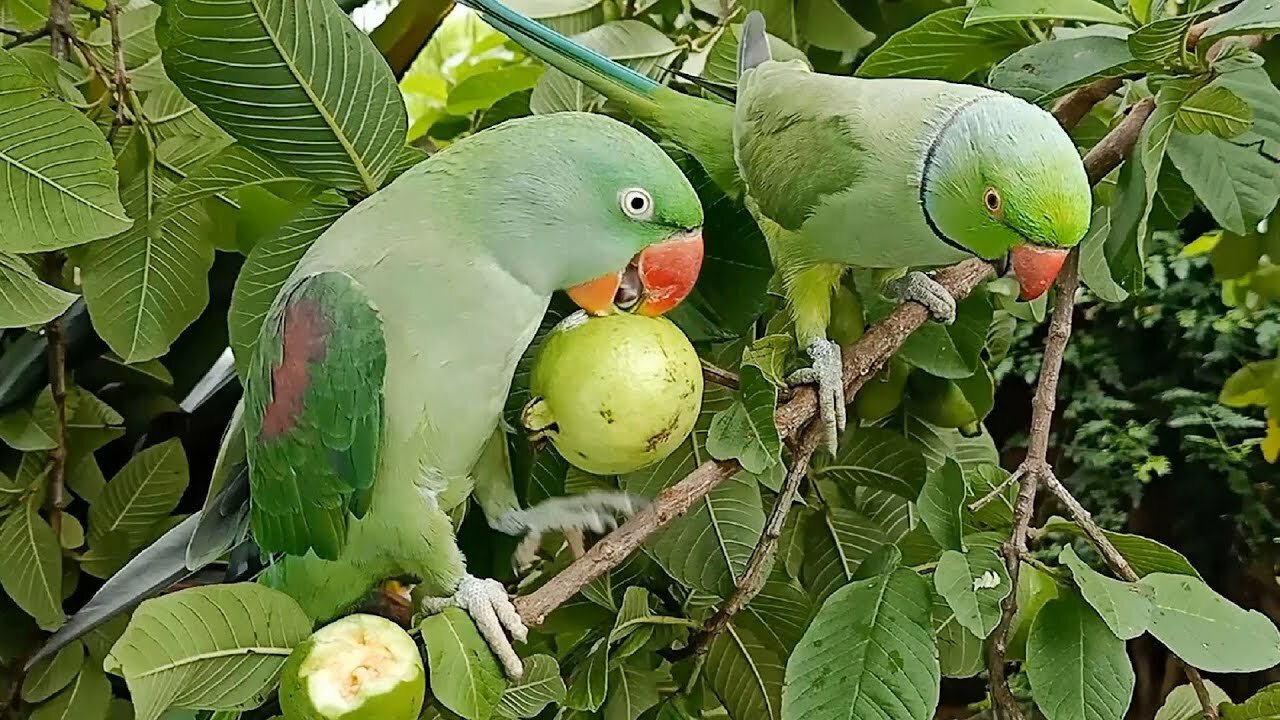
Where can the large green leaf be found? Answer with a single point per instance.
(1124, 607)
(465, 676)
(875, 458)
(1078, 669)
(31, 564)
(746, 431)
(942, 505)
(87, 698)
(985, 11)
(24, 299)
(143, 493)
(1250, 16)
(960, 652)
(1094, 270)
(941, 46)
(322, 99)
(952, 351)
(632, 691)
(58, 185)
(973, 583)
(136, 23)
(209, 648)
(1051, 68)
(1264, 705)
(540, 685)
(637, 45)
(836, 543)
(567, 17)
(1214, 109)
(1182, 703)
(268, 266)
(1144, 555)
(868, 653)
(147, 284)
(1207, 630)
(722, 57)
(745, 669)
(52, 674)
(234, 167)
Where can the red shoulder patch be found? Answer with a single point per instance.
(304, 332)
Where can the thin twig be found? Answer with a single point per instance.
(755, 573)
(996, 492)
(121, 76)
(58, 386)
(719, 376)
(861, 360)
(28, 37)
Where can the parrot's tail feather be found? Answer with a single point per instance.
(607, 77)
(148, 574)
(722, 90)
(224, 523)
(753, 49)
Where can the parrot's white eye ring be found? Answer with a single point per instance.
(636, 203)
(991, 198)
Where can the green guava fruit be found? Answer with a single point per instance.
(614, 393)
(847, 322)
(362, 667)
(882, 394)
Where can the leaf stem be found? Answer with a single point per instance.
(718, 375)
(121, 77)
(53, 264)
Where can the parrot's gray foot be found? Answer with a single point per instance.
(598, 511)
(925, 290)
(828, 374)
(488, 604)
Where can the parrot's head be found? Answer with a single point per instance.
(641, 249)
(1003, 177)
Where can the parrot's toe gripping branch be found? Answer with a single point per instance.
(597, 511)
(828, 374)
(921, 288)
(488, 604)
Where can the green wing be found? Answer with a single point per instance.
(313, 415)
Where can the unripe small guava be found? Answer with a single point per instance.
(614, 393)
(847, 321)
(882, 394)
(362, 667)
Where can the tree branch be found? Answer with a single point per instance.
(861, 360)
(60, 28)
(121, 75)
(719, 376)
(58, 387)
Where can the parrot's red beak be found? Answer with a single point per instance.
(1036, 268)
(656, 280)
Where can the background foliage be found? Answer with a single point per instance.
(157, 229)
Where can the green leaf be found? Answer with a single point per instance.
(637, 45)
(941, 46)
(960, 652)
(1043, 71)
(540, 685)
(31, 429)
(942, 505)
(478, 92)
(86, 699)
(24, 299)
(305, 57)
(1214, 109)
(147, 284)
(232, 168)
(1124, 607)
(1182, 703)
(1068, 635)
(836, 543)
(589, 682)
(171, 115)
(769, 355)
(1250, 16)
(137, 22)
(52, 674)
(31, 564)
(826, 24)
(874, 458)
(632, 691)
(722, 57)
(58, 187)
(465, 676)
(268, 266)
(1152, 141)
(952, 351)
(1143, 554)
(1094, 270)
(1162, 41)
(144, 492)
(973, 583)
(209, 648)
(1246, 386)
(985, 11)
(1208, 631)
(745, 669)
(92, 424)
(567, 17)
(746, 431)
(868, 653)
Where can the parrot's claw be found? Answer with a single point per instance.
(928, 292)
(598, 511)
(828, 373)
(488, 604)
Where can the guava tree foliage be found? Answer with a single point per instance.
(161, 179)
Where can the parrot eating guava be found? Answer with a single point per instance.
(614, 393)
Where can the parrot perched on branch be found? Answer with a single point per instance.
(373, 399)
(846, 172)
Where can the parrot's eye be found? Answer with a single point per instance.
(636, 203)
(992, 200)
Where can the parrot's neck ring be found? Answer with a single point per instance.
(930, 160)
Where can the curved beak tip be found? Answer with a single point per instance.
(668, 271)
(596, 296)
(1036, 268)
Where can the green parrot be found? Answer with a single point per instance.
(840, 172)
(372, 404)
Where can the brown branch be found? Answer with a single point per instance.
(754, 575)
(1072, 107)
(718, 375)
(861, 361)
(60, 30)
(24, 38)
(121, 75)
